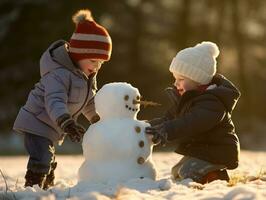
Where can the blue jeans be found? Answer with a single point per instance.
(41, 153)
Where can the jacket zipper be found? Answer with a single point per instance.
(88, 92)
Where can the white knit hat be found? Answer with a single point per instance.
(197, 63)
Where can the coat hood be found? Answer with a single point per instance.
(226, 91)
(56, 56)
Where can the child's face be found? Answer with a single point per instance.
(184, 84)
(89, 66)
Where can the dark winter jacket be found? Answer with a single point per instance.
(201, 124)
(62, 89)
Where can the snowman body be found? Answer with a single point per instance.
(116, 148)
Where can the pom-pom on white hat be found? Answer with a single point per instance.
(197, 63)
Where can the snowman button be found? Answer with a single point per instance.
(126, 97)
(141, 143)
(137, 129)
(141, 160)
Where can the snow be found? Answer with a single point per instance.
(249, 182)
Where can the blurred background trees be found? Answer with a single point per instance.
(146, 35)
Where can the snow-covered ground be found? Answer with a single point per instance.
(248, 182)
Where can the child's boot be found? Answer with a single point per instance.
(33, 178)
(215, 175)
(49, 181)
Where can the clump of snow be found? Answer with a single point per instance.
(251, 164)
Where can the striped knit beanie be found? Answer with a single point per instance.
(89, 40)
(197, 63)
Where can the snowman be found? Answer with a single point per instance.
(116, 148)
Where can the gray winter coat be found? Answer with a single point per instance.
(63, 88)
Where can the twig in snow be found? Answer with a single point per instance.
(4, 180)
(68, 195)
(16, 184)
(261, 173)
(14, 196)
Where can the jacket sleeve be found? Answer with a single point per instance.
(89, 110)
(205, 114)
(56, 84)
(174, 100)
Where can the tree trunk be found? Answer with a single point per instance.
(240, 46)
(183, 28)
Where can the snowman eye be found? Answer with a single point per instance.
(126, 97)
(138, 97)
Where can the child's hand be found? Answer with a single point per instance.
(159, 134)
(173, 95)
(74, 130)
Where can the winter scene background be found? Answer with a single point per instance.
(146, 35)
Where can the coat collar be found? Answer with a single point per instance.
(187, 96)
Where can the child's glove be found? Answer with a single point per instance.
(173, 95)
(74, 130)
(156, 121)
(174, 98)
(159, 134)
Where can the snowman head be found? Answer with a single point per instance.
(117, 100)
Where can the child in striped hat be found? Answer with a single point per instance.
(90, 44)
(65, 90)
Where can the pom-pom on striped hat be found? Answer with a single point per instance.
(89, 40)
